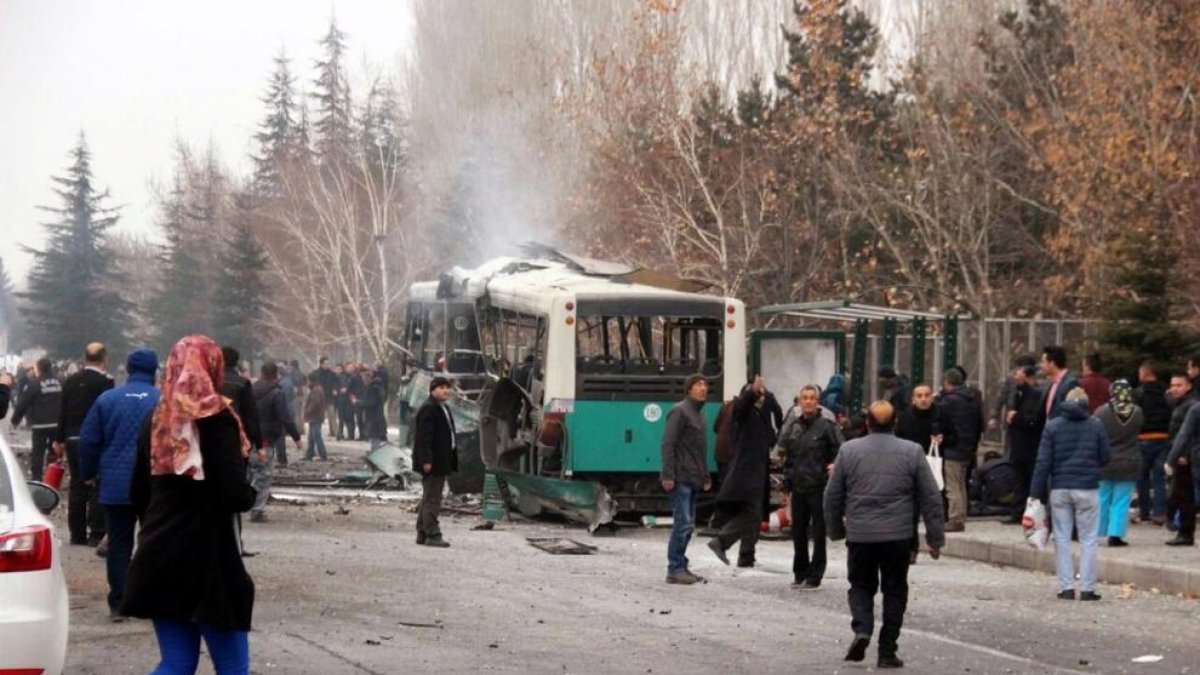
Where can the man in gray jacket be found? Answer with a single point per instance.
(877, 484)
(684, 472)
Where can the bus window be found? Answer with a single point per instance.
(433, 346)
(463, 354)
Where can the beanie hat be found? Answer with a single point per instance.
(438, 381)
(143, 361)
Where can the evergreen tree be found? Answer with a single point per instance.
(241, 296)
(72, 296)
(333, 124)
(278, 134)
(182, 305)
(380, 136)
(10, 324)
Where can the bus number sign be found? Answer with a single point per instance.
(652, 413)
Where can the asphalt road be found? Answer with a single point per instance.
(351, 593)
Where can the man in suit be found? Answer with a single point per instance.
(435, 456)
(1058, 382)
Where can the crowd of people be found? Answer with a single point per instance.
(1084, 446)
(177, 454)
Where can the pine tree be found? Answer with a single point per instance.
(72, 290)
(380, 134)
(241, 296)
(10, 324)
(278, 134)
(182, 305)
(333, 124)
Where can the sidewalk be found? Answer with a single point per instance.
(1146, 563)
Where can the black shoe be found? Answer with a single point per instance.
(892, 661)
(1066, 595)
(79, 541)
(248, 554)
(437, 542)
(858, 648)
(1117, 542)
(745, 563)
(714, 545)
(1089, 596)
(1182, 541)
(420, 538)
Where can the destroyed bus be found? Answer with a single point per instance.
(563, 369)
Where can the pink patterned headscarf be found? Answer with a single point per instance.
(194, 372)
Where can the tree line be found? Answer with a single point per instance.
(1023, 158)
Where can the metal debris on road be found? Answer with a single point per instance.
(561, 546)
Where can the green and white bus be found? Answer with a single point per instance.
(568, 366)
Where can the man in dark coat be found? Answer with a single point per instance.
(894, 388)
(435, 456)
(373, 407)
(41, 404)
(811, 444)
(878, 482)
(685, 473)
(756, 416)
(1023, 434)
(1059, 381)
(1182, 436)
(241, 395)
(6, 383)
(275, 419)
(959, 406)
(79, 392)
(923, 423)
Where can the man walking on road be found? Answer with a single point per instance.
(878, 482)
(684, 473)
(274, 420)
(79, 392)
(435, 455)
(811, 444)
(108, 449)
(41, 404)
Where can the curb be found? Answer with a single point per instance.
(1146, 576)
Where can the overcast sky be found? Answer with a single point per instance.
(135, 74)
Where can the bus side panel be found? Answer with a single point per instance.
(560, 351)
(624, 436)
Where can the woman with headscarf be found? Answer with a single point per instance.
(1122, 420)
(187, 574)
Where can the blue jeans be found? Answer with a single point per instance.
(316, 443)
(1079, 509)
(120, 520)
(179, 644)
(259, 474)
(1115, 496)
(1154, 454)
(683, 514)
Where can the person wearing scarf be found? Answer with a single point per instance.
(1122, 419)
(187, 574)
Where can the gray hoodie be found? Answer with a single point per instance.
(685, 444)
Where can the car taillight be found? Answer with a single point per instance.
(26, 549)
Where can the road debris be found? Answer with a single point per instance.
(561, 546)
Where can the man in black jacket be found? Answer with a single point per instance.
(923, 423)
(241, 393)
(6, 383)
(1154, 443)
(811, 445)
(1023, 434)
(42, 402)
(684, 473)
(435, 456)
(373, 408)
(960, 408)
(79, 392)
(274, 419)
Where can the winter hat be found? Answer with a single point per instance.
(144, 361)
(691, 382)
(438, 382)
(887, 371)
(1077, 394)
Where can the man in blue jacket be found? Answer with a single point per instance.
(108, 450)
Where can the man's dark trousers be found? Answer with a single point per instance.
(42, 439)
(808, 517)
(741, 526)
(1025, 471)
(431, 505)
(1183, 498)
(121, 519)
(83, 502)
(872, 565)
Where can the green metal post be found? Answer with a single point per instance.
(858, 368)
(950, 347)
(918, 350)
(887, 351)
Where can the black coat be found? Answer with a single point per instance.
(241, 395)
(1024, 433)
(753, 430)
(920, 426)
(188, 564)
(79, 392)
(274, 415)
(965, 412)
(433, 440)
(4, 394)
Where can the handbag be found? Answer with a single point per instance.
(934, 459)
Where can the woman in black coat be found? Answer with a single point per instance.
(755, 419)
(187, 574)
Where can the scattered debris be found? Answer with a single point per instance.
(489, 525)
(342, 511)
(561, 546)
(372, 642)
(1127, 591)
(1148, 658)
(409, 624)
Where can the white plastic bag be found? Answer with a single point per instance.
(1035, 523)
(934, 457)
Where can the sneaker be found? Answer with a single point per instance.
(891, 661)
(1066, 595)
(1181, 541)
(437, 542)
(1089, 596)
(858, 648)
(714, 545)
(682, 577)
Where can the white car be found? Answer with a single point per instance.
(33, 588)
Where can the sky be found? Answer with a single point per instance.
(135, 75)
